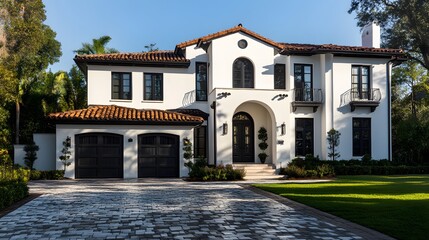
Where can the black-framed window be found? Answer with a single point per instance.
(200, 142)
(360, 82)
(153, 86)
(361, 136)
(303, 75)
(243, 73)
(201, 81)
(121, 85)
(279, 76)
(304, 136)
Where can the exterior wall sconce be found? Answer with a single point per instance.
(225, 128)
(130, 140)
(283, 129)
(68, 141)
(223, 94)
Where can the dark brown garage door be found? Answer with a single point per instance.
(158, 155)
(99, 155)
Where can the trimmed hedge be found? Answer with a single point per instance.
(12, 191)
(47, 175)
(199, 171)
(311, 167)
(14, 174)
(380, 170)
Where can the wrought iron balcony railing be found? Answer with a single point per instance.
(361, 98)
(307, 97)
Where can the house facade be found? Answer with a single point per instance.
(218, 91)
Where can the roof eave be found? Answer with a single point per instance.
(125, 122)
(86, 62)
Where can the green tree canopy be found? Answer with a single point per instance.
(405, 24)
(98, 46)
(30, 47)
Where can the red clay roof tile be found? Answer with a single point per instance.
(123, 114)
(156, 56)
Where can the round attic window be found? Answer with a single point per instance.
(242, 44)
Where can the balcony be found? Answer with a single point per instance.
(307, 97)
(357, 98)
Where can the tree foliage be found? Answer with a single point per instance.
(333, 142)
(30, 154)
(29, 49)
(405, 24)
(98, 46)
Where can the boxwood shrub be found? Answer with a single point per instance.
(12, 191)
(200, 171)
(47, 175)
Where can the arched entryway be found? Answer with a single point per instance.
(243, 147)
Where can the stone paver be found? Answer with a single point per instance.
(159, 209)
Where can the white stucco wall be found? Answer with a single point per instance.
(45, 156)
(130, 148)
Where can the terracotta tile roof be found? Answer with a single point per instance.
(117, 114)
(238, 28)
(191, 111)
(313, 48)
(156, 56)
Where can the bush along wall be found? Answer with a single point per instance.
(312, 167)
(12, 191)
(199, 171)
(47, 175)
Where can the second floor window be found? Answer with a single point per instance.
(153, 86)
(279, 76)
(121, 86)
(360, 82)
(303, 74)
(201, 81)
(242, 73)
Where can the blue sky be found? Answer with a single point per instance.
(132, 24)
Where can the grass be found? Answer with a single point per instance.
(395, 205)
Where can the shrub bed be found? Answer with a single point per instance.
(12, 191)
(13, 174)
(312, 167)
(47, 175)
(199, 171)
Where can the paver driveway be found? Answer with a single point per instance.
(133, 209)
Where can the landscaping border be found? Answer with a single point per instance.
(18, 204)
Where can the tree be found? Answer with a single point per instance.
(262, 135)
(30, 47)
(66, 153)
(405, 24)
(98, 46)
(151, 47)
(333, 142)
(30, 154)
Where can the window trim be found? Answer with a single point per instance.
(196, 82)
(152, 87)
(284, 75)
(121, 86)
(360, 144)
(242, 82)
(359, 83)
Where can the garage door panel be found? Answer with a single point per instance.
(158, 155)
(165, 151)
(99, 155)
(148, 151)
(87, 151)
(87, 162)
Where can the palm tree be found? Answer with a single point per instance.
(98, 46)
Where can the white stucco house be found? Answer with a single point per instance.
(218, 91)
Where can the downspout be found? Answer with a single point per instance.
(389, 111)
(213, 106)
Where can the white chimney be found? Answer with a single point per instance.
(371, 35)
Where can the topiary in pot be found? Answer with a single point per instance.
(262, 135)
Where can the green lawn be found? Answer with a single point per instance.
(395, 205)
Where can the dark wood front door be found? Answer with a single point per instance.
(99, 155)
(158, 155)
(243, 138)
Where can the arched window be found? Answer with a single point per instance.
(242, 73)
